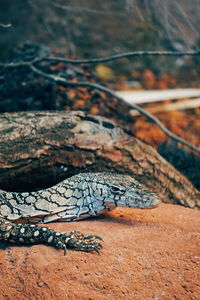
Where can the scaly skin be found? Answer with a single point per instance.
(78, 197)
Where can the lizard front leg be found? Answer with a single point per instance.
(34, 234)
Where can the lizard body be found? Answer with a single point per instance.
(78, 197)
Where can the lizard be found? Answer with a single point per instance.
(77, 197)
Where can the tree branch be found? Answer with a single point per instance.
(62, 81)
(123, 55)
(104, 59)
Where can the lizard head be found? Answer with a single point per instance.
(122, 190)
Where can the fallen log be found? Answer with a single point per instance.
(39, 149)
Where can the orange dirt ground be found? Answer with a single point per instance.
(147, 254)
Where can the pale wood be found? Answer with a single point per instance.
(184, 104)
(139, 97)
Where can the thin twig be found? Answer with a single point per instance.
(104, 59)
(81, 9)
(122, 55)
(5, 25)
(60, 80)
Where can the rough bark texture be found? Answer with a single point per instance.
(148, 254)
(38, 149)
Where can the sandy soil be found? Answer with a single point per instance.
(147, 254)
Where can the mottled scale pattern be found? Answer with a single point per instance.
(78, 197)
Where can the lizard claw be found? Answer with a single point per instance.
(88, 237)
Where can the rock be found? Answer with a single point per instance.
(147, 254)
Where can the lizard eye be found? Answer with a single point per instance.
(117, 190)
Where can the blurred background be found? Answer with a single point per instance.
(96, 28)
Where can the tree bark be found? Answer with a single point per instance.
(39, 149)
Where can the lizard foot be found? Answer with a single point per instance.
(77, 241)
(36, 234)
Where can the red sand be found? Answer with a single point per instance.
(147, 254)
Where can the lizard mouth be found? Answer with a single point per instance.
(154, 204)
(152, 207)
